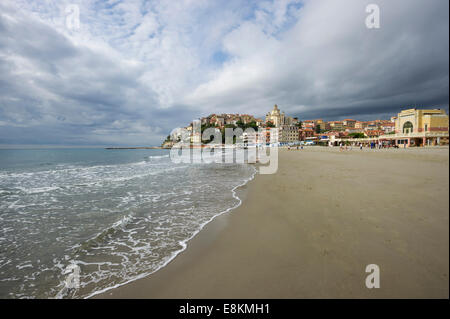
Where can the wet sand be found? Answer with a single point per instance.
(309, 231)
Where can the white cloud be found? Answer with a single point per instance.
(153, 65)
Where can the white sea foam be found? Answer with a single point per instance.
(120, 222)
(158, 156)
(37, 190)
(183, 243)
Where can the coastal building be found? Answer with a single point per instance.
(245, 118)
(305, 133)
(350, 130)
(259, 122)
(220, 121)
(278, 118)
(360, 124)
(415, 127)
(320, 124)
(270, 135)
(212, 120)
(417, 121)
(387, 127)
(371, 126)
(337, 125)
(349, 123)
(288, 134)
(228, 119)
(308, 124)
(290, 120)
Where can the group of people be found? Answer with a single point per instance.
(296, 147)
(345, 147)
(372, 145)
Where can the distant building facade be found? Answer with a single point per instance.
(278, 118)
(349, 123)
(415, 127)
(417, 121)
(336, 125)
(288, 134)
(305, 133)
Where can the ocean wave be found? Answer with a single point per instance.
(153, 172)
(182, 243)
(117, 231)
(27, 183)
(100, 238)
(37, 190)
(158, 156)
(73, 168)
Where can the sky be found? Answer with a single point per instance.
(128, 72)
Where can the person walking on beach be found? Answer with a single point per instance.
(360, 146)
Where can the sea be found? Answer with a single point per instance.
(78, 222)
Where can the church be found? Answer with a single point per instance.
(278, 118)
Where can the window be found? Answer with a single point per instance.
(426, 127)
(407, 127)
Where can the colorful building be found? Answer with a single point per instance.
(305, 133)
(320, 124)
(420, 128)
(336, 125)
(349, 123)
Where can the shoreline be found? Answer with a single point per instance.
(184, 243)
(138, 148)
(226, 260)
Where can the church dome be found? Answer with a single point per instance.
(275, 110)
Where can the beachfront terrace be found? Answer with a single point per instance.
(404, 139)
(417, 138)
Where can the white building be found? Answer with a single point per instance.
(278, 118)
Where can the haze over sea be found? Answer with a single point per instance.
(118, 214)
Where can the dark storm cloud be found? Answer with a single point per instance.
(329, 65)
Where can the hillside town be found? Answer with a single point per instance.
(410, 127)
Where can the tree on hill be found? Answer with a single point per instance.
(203, 128)
(244, 126)
(356, 135)
(253, 125)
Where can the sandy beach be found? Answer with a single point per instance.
(309, 231)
